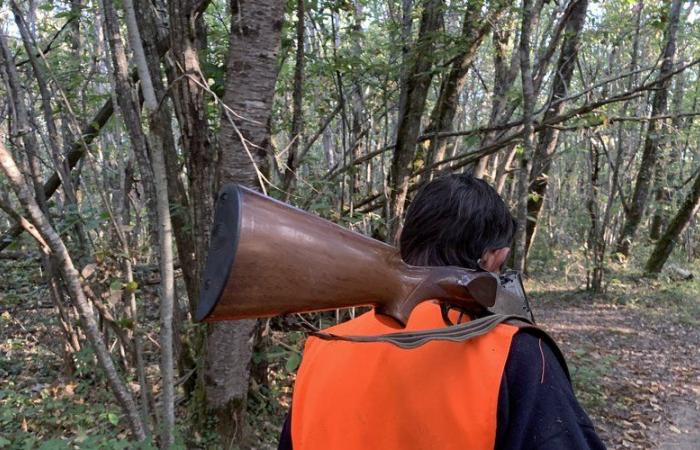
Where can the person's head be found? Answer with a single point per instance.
(457, 220)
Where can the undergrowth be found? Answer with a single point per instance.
(40, 408)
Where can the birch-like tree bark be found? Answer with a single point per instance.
(251, 74)
(165, 233)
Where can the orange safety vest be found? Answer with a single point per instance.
(361, 396)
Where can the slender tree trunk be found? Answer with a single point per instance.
(520, 251)
(505, 73)
(130, 109)
(665, 174)
(165, 238)
(154, 44)
(668, 240)
(356, 103)
(635, 212)
(188, 94)
(595, 272)
(297, 105)
(474, 29)
(416, 87)
(548, 139)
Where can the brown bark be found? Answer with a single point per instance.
(520, 248)
(664, 175)
(129, 107)
(505, 73)
(190, 108)
(297, 106)
(595, 248)
(668, 240)
(474, 29)
(635, 212)
(548, 139)
(415, 90)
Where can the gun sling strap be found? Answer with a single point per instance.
(455, 333)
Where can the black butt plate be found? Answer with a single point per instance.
(223, 245)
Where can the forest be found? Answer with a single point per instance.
(120, 120)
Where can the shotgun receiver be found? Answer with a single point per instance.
(267, 258)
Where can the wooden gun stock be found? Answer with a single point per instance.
(267, 258)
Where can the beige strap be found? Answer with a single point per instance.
(412, 339)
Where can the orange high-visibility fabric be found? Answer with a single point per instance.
(362, 396)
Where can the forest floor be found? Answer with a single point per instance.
(633, 352)
(634, 357)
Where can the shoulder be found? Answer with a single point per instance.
(532, 344)
(537, 405)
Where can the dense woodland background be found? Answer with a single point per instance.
(120, 119)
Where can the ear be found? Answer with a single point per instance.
(492, 260)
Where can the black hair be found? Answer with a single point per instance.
(452, 221)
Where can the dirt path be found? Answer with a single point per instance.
(635, 367)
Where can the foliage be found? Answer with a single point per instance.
(357, 55)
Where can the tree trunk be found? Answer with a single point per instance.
(130, 109)
(415, 89)
(520, 250)
(245, 151)
(668, 240)
(188, 94)
(665, 174)
(635, 212)
(595, 271)
(474, 29)
(547, 144)
(297, 106)
(165, 238)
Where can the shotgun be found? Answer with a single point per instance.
(267, 258)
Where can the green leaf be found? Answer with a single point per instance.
(113, 418)
(126, 323)
(116, 285)
(131, 286)
(54, 444)
(293, 362)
